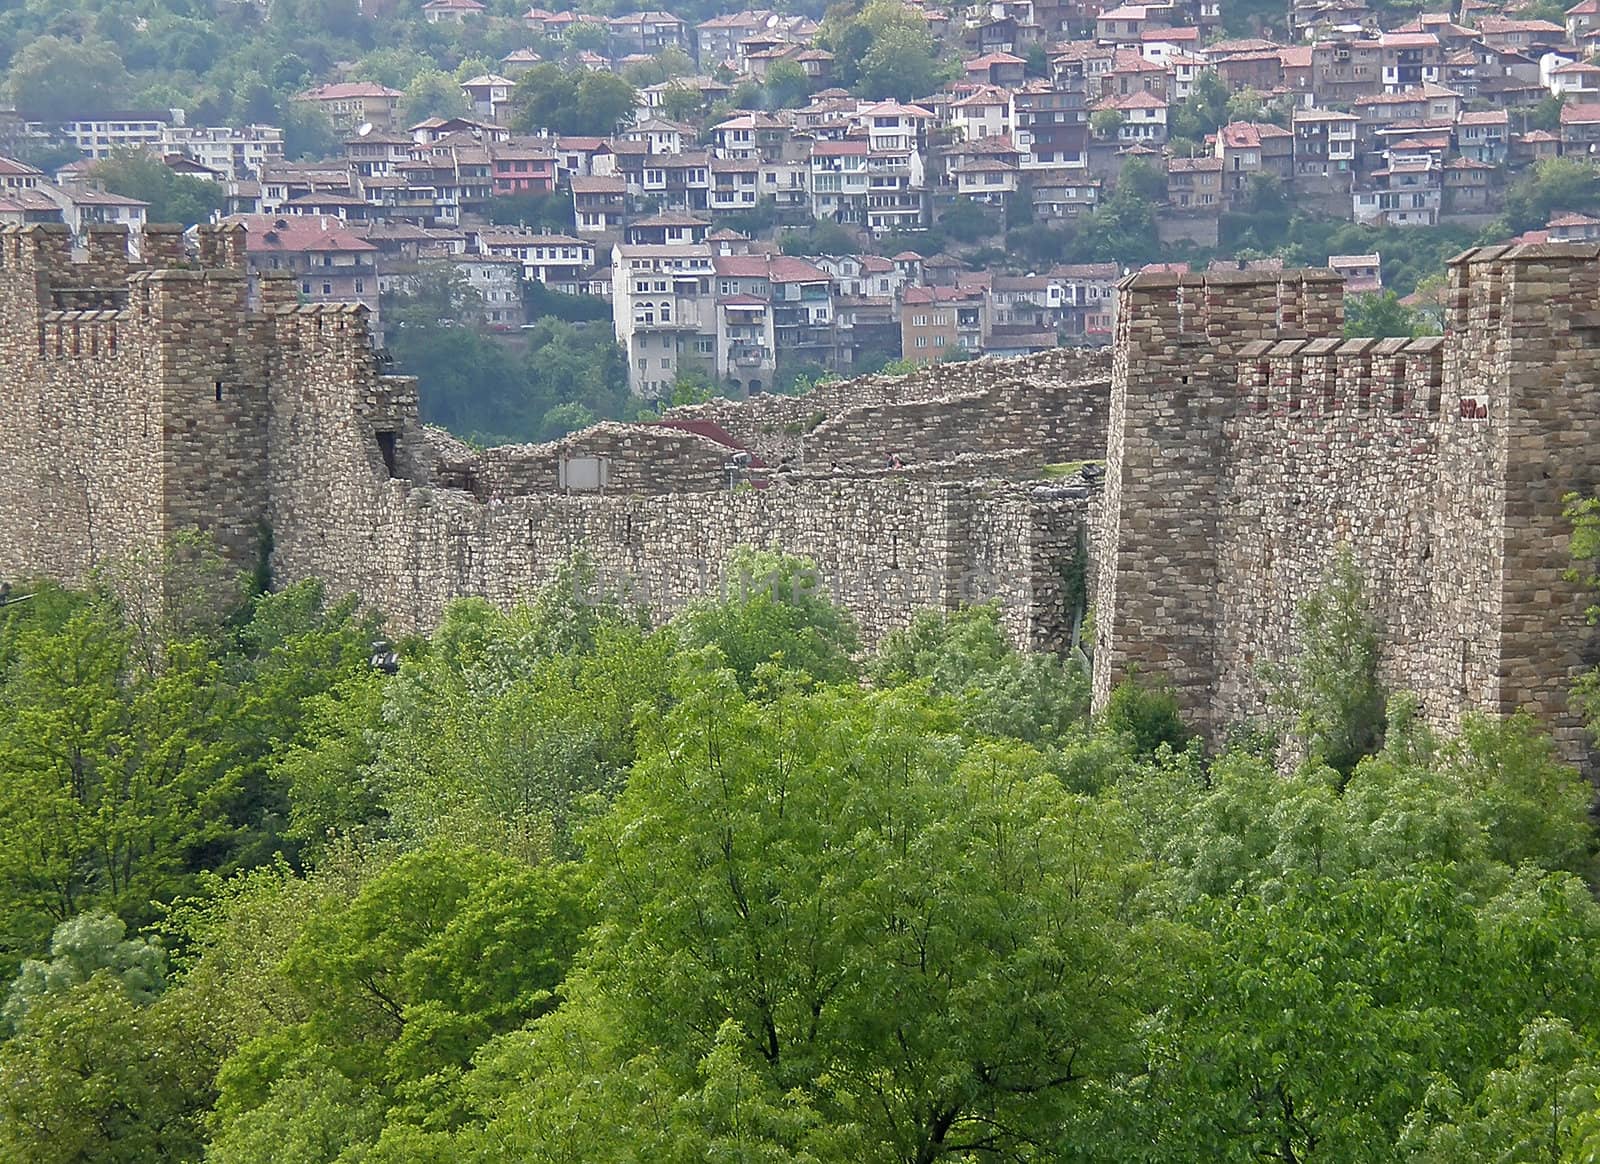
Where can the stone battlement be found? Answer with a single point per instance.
(152, 390)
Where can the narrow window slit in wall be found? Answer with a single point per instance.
(388, 446)
(218, 390)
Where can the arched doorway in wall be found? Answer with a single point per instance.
(755, 387)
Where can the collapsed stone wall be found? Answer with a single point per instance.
(640, 459)
(883, 547)
(775, 427)
(1051, 419)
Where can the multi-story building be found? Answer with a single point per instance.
(837, 178)
(985, 112)
(522, 169)
(1406, 193)
(803, 312)
(85, 206)
(15, 175)
(599, 203)
(1345, 69)
(991, 181)
(1470, 187)
(746, 343)
(1363, 274)
(1324, 145)
(1408, 59)
(100, 136)
(1580, 128)
(717, 39)
(1050, 126)
(352, 104)
(1144, 117)
(939, 323)
(663, 311)
(489, 94)
(1062, 194)
(330, 262)
(377, 153)
(1088, 296)
(1195, 184)
(646, 33)
(453, 11)
(556, 261)
(1526, 36)
(235, 153)
(1482, 135)
(897, 196)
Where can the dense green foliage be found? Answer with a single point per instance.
(567, 888)
(541, 382)
(172, 197)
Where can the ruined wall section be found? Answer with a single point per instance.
(640, 459)
(884, 545)
(774, 427)
(1046, 419)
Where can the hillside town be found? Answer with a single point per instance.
(772, 203)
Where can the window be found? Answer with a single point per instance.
(922, 341)
(938, 341)
(327, 288)
(360, 286)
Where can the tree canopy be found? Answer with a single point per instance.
(570, 886)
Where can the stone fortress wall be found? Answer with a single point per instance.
(1247, 444)
(181, 392)
(1243, 443)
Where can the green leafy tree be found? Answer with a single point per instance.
(80, 948)
(1379, 314)
(999, 691)
(562, 100)
(786, 85)
(53, 78)
(172, 197)
(968, 221)
(774, 609)
(94, 1074)
(1554, 185)
(884, 49)
(857, 946)
(1106, 124)
(307, 133)
(1333, 690)
(510, 723)
(435, 954)
(432, 93)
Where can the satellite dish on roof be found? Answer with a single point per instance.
(363, 129)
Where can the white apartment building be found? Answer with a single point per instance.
(239, 153)
(663, 311)
(98, 137)
(557, 261)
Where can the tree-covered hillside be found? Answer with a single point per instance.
(567, 888)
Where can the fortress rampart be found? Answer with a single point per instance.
(151, 390)
(1247, 443)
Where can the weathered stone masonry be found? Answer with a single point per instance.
(221, 404)
(1243, 442)
(1246, 443)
